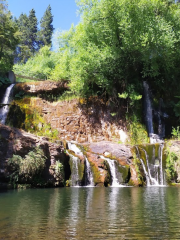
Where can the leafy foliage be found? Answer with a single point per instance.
(170, 166)
(25, 169)
(29, 42)
(9, 38)
(176, 133)
(119, 43)
(138, 133)
(33, 39)
(130, 95)
(59, 172)
(116, 46)
(4, 81)
(38, 66)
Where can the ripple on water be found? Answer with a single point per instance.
(90, 213)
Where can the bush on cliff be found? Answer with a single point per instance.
(25, 170)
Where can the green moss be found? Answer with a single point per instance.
(137, 164)
(81, 170)
(131, 183)
(96, 173)
(124, 170)
(30, 119)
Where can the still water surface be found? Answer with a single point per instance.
(91, 213)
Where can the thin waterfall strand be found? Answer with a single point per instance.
(89, 176)
(4, 111)
(113, 170)
(74, 171)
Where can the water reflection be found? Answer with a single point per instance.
(91, 213)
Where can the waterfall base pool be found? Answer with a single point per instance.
(91, 213)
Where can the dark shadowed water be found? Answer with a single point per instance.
(91, 213)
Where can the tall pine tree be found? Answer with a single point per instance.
(28, 28)
(46, 31)
(9, 38)
(22, 50)
(32, 27)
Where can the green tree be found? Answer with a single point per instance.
(28, 45)
(46, 30)
(9, 38)
(32, 27)
(123, 42)
(39, 66)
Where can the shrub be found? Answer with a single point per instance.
(4, 81)
(176, 133)
(28, 167)
(138, 132)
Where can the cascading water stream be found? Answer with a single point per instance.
(148, 109)
(4, 110)
(153, 168)
(153, 171)
(144, 167)
(74, 148)
(148, 113)
(89, 176)
(153, 181)
(74, 170)
(75, 162)
(113, 171)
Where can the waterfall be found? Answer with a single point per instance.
(74, 148)
(148, 109)
(153, 165)
(151, 158)
(4, 110)
(114, 172)
(75, 163)
(89, 176)
(148, 112)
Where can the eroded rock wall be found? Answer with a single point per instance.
(18, 142)
(78, 121)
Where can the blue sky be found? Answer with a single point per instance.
(64, 11)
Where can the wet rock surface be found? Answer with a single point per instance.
(120, 152)
(97, 152)
(18, 142)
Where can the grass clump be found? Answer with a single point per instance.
(27, 169)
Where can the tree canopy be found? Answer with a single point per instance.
(118, 44)
(32, 38)
(121, 42)
(46, 31)
(9, 38)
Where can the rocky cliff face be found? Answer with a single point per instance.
(42, 86)
(90, 125)
(18, 142)
(75, 120)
